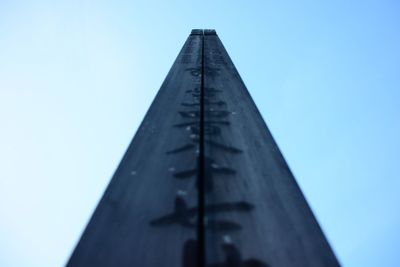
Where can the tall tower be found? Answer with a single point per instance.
(203, 183)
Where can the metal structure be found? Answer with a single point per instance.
(203, 183)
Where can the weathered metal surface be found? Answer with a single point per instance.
(140, 220)
(203, 182)
(275, 226)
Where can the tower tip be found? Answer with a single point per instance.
(205, 32)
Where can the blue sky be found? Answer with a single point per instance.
(76, 78)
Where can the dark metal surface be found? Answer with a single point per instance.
(203, 182)
(152, 181)
(246, 166)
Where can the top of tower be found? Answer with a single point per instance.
(203, 32)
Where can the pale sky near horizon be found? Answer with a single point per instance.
(76, 78)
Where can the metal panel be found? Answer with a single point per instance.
(266, 220)
(146, 215)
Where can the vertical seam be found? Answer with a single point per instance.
(201, 172)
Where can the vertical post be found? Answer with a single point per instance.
(203, 182)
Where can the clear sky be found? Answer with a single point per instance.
(76, 78)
